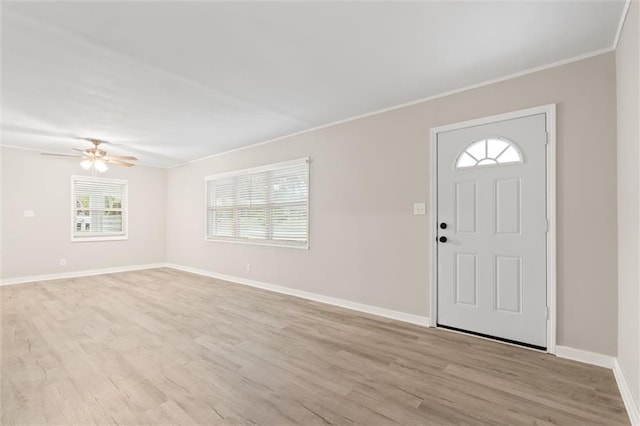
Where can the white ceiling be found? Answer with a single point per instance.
(175, 81)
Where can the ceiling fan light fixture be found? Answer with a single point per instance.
(96, 159)
(100, 166)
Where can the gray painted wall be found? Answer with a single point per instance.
(34, 246)
(366, 244)
(628, 76)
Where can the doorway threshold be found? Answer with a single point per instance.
(497, 339)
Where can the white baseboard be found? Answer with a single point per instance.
(627, 397)
(587, 357)
(76, 274)
(610, 362)
(360, 307)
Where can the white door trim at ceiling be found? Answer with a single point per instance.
(550, 114)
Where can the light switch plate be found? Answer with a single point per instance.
(29, 213)
(419, 208)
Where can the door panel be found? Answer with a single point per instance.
(492, 196)
(466, 279)
(509, 284)
(466, 208)
(508, 206)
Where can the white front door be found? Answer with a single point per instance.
(492, 229)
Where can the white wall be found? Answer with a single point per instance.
(628, 108)
(366, 245)
(34, 246)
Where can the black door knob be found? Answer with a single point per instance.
(443, 239)
(443, 225)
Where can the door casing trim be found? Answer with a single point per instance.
(550, 119)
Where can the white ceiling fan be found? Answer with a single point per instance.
(96, 158)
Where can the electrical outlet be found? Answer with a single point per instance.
(63, 262)
(248, 267)
(29, 213)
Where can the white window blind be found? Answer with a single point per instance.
(264, 205)
(99, 209)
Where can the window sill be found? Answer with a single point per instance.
(99, 238)
(258, 243)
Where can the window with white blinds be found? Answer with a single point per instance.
(99, 209)
(263, 205)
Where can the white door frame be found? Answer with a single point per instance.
(550, 111)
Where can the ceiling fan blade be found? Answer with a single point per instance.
(78, 149)
(118, 162)
(61, 155)
(120, 157)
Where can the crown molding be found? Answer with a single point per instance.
(398, 106)
(623, 17)
(410, 103)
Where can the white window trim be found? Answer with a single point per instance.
(102, 237)
(273, 166)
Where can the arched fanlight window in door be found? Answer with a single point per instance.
(489, 152)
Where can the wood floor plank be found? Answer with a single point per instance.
(162, 346)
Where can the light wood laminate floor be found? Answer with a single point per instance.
(166, 347)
